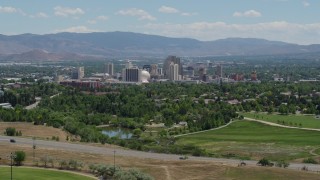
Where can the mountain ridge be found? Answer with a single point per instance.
(127, 44)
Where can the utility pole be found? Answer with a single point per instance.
(12, 156)
(114, 161)
(33, 147)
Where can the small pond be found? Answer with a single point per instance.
(117, 132)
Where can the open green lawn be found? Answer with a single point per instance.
(21, 173)
(255, 140)
(307, 121)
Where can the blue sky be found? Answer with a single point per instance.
(295, 21)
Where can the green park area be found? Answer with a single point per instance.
(305, 121)
(21, 173)
(254, 140)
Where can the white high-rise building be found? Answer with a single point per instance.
(173, 73)
(166, 66)
(128, 65)
(80, 72)
(153, 70)
(108, 68)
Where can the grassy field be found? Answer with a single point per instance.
(161, 169)
(185, 170)
(289, 120)
(244, 139)
(30, 130)
(21, 173)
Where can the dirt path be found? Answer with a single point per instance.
(204, 130)
(313, 153)
(279, 125)
(166, 169)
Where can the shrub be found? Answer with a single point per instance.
(310, 161)
(63, 164)
(282, 163)
(264, 162)
(75, 165)
(111, 172)
(10, 131)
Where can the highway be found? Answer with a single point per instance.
(132, 153)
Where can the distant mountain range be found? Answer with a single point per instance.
(82, 46)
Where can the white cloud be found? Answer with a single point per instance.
(102, 18)
(8, 10)
(42, 15)
(278, 30)
(39, 15)
(168, 10)
(92, 22)
(249, 13)
(141, 14)
(306, 3)
(65, 11)
(99, 18)
(188, 14)
(77, 29)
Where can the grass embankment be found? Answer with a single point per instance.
(21, 173)
(305, 121)
(244, 139)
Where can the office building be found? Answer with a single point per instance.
(219, 71)
(77, 73)
(154, 70)
(131, 75)
(173, 74)
(108, 68)
(203, 74)
(167, 63)
(160, 71)
(128, 65)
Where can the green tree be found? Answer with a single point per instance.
(283, 109)
(19, 157)
(137, 132)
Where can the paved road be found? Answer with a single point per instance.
(34, 105)
(131, 153)
(38, 99)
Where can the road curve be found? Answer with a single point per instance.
(132, 153)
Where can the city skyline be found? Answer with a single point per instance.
(293, 21)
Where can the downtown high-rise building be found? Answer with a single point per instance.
(108, 68)
(77, 73)
(219, 71)
(166, 66)
(173, 72)
(131, 74)
(154, 70)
